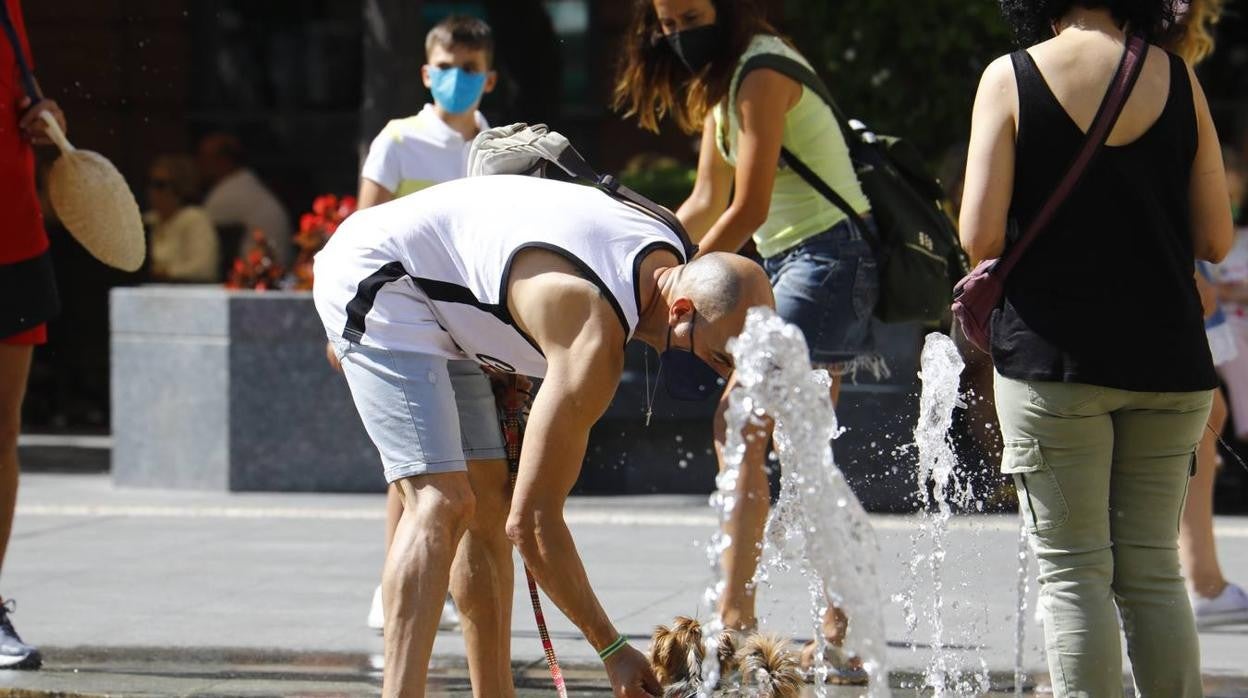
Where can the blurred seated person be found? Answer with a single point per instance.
(236, 196)
(184, 245)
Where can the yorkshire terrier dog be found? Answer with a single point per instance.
(759, 666)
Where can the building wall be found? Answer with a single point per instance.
(138, 78)
(121, 71)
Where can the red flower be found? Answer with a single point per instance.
(324, 205)
(256, 268)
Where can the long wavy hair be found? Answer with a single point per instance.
(1032, 20)
(1192, 35)
(651, 82)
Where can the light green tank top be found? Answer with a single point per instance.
(797, 211)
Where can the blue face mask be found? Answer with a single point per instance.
(454, 89)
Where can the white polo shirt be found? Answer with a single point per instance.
(417, 152)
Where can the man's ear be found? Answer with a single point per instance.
(491, 80)
(424, 76)
(681, 307)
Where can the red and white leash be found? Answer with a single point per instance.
(511, 403)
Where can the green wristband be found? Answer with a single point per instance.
(612, 648)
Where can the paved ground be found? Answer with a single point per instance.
(140, 592)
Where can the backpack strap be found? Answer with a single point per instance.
(28, 80)
(806, 77)
(1129, 66)
(571, 162)
(796, 71)
(528, 150)
(816, 182)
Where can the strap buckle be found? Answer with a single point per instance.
(609, 182)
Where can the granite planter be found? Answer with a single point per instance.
(215, 389)
(229, 390)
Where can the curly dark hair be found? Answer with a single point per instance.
(1032, 20)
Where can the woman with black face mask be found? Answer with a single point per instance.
(684, 59)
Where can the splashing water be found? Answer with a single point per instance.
(818, 523)
(941, 368)
(724, 501)
(1020, 630)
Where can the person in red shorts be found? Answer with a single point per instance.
(27, 287)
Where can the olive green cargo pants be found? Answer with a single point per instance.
(1101, 476)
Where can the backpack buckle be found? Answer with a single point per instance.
(609, 182)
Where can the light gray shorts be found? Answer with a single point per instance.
(425, 414)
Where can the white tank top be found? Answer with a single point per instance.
(428, 273)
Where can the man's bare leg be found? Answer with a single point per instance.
(481, 582)
(437, 510)
(394, 512)
(14, 370)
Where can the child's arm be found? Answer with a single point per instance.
(372, 194)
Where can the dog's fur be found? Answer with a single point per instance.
(764, 666)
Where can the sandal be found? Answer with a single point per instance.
(843, 669)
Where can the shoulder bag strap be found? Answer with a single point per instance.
(1111, 107)
(571, 162)
(806, 77)
(28, 79)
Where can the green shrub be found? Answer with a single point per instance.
(906, 68)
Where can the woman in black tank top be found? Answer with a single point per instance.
(1104, 375)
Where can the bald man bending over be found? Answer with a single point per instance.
(527, 276)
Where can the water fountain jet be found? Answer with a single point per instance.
(818, 525)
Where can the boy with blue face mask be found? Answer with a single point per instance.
(419, 151)
(432, 146)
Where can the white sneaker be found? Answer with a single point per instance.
(377, 614)
(1228, 608)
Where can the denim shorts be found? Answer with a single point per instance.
(425, 414)
(828, 285)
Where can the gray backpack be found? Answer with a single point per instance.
(528, 150)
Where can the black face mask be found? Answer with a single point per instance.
(687, 377)
(696, 47)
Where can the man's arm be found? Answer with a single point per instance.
(584, 346)
(580, 381)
